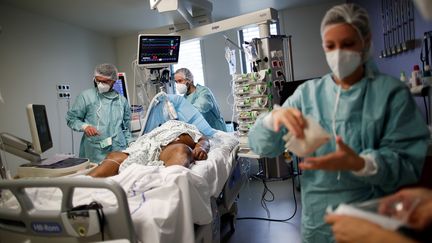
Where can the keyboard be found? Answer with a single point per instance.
(61, 168)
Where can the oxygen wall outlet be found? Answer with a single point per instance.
(63, 91)
(63, 87)
(64, 95)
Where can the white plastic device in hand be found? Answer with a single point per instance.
(381, 220)
(314, 137)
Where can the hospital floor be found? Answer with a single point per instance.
(249, 205)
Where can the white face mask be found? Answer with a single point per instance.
(343, 62)
(181, 88)
(103, 88)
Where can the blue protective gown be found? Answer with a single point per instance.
(113, 113)
(376, 116)
(157, 114)
(205, 102)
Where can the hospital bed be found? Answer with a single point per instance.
(164, 204)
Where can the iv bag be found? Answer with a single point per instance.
(250, 52)
(231, 59)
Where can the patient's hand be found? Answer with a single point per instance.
(185, 139)
(201, 149)
(199, 153)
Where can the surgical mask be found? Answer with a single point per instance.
(343, 62)
(181, 88)
(103, 88)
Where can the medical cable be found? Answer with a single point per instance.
(134, 81)
(232, 85)
(3, 162)
(277, 220)
(295, 202)
(232, 94)
(141, 84)
(426, 109)
(97, 112)
(99, 211)
(134, 89)
(101, 217)
(264, 200)
(73, 145)
(334, 120)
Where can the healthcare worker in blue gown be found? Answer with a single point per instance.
(103, 115)
(380, 139)
(199, 96)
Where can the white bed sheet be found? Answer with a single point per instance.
(165, 202)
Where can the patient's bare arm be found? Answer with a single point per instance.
(182, 151)
(176, 154)
(110, 165)
(199, 150)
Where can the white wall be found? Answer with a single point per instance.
(216, 71)
(302, 23)
(36, 53)
(126, 52)
(304, 26)
(309, 59)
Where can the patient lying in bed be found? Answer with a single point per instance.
(173, 143)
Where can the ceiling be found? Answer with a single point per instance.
(122, 17)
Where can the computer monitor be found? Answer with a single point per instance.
(157, 50)
(39, 128)
(121, 86)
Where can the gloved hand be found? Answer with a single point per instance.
(91, 131)
(313, 137)
(291, 118)
(344, 158)
(356, 230)
(416, 202)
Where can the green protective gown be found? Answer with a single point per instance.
(378, 117)
(111, 111)
(205, 102)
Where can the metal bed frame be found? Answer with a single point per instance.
(29, 222)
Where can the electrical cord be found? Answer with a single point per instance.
(426, 109)
(3, 162)
(99, 211)
(142, 85)
(97, 112)
(232, 94)
(73, 146)
(101, 217)
(264, 201)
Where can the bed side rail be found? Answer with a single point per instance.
(235, 181)
(51, 223)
